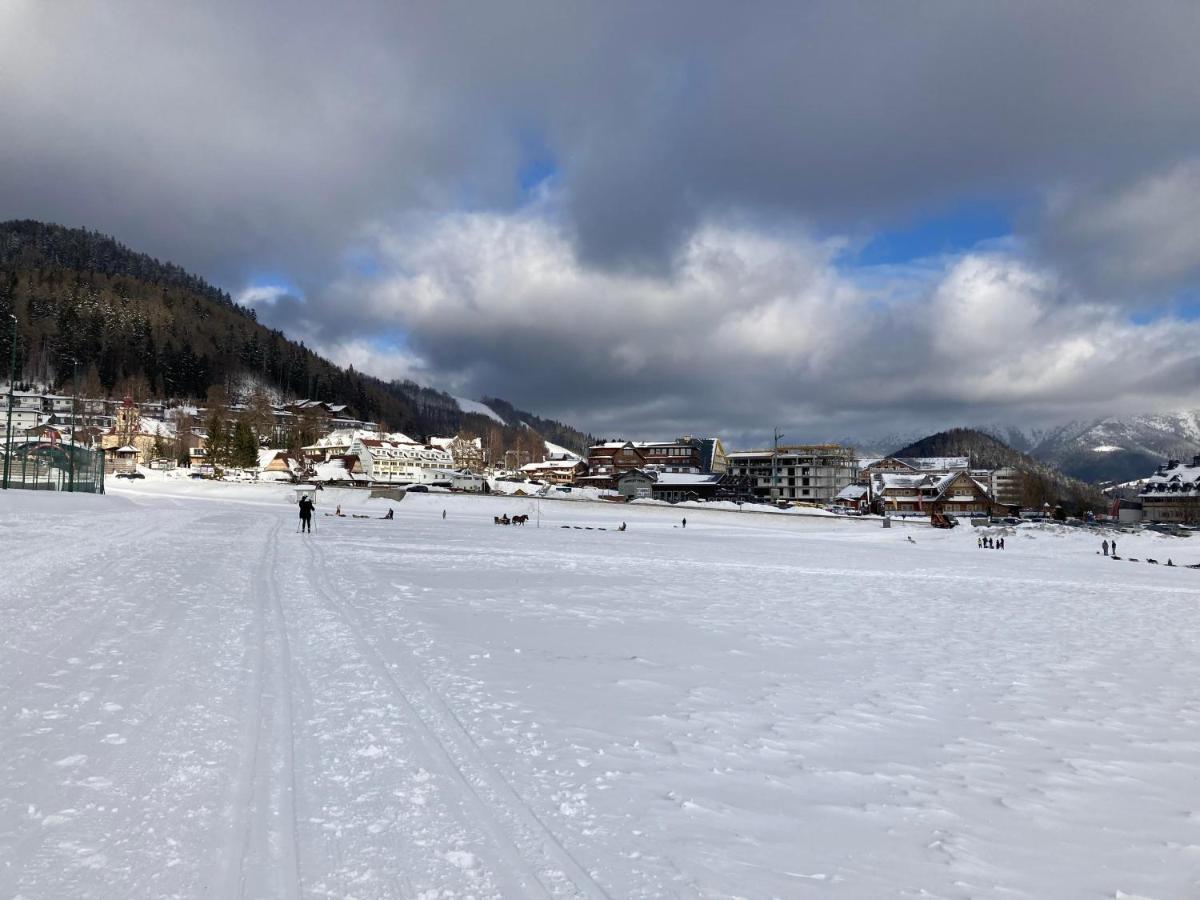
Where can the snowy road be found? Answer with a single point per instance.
(201, 702)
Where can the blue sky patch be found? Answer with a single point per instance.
(951, 232)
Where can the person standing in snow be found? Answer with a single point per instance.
(306, 511)
(443, 515)
(1114, 547)
(1104, 546)
(685, 523)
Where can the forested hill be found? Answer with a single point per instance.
(1045, 484)
(150, 329)
(985, 451)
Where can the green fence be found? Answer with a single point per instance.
(35, 465)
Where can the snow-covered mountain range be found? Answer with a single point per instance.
(1113, 448)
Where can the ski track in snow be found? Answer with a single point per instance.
(200, 702)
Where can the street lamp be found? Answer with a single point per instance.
(12, 378)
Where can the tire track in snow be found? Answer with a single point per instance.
(261, 857)
(517, 831)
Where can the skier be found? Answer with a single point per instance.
(391, 513)
(306, 511)
(1104, 546)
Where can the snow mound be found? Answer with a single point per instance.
(474, 406)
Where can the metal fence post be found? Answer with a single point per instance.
(12, 378)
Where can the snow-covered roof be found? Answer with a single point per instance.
(551, 464)
(379, 449)
(899, 480)
(1177, 479)
(267, 456)
(345, 437)
(922, 463)
(334, 470)
(852, 492)
(691, 443)
(683, 479)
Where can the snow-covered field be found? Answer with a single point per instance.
(201, 702)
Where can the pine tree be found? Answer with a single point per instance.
(245, 447)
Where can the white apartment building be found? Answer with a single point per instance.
(401, 463)
(338, 443)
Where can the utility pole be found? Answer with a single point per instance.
(775, 466)
(74, 401)
(12, 378)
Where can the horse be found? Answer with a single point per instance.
(520, 520)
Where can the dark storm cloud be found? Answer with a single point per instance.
(241, 138)
(230, 131)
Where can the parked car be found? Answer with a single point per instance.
(130, 475)
(417, 489)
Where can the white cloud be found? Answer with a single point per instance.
(258, 296)
(751, 324)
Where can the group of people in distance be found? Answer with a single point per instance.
(307, 506)
(1105, 547)
(991, 543)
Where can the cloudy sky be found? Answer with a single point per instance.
(839, 218)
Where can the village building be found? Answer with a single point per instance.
(276, 465)
(131, 429)
(1127, 511)
(1007, 486)
(608, 460)
(556, 471)
(957, 493)
(687, 455)
(468, 453)
(812, 473)
(122, 459)
(676, 487)
(1172, 493)
(338, 443)
(27, 411)
(393, 462)
(856, 497)
(901, 492)
(635, 484)
(912, 465)
(962, 494)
